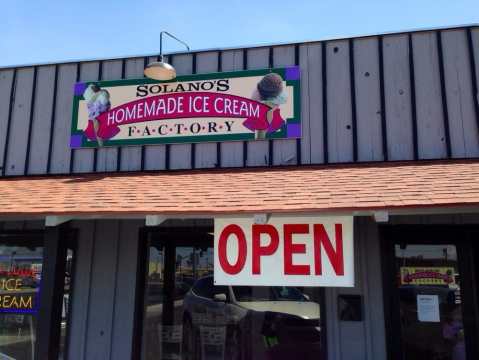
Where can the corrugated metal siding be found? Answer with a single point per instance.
(390, 97)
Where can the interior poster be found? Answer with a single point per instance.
(241, 105)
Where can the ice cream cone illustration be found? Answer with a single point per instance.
(269, 91)
(98, 102)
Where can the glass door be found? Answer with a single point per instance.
(432, 290)
(187, 317)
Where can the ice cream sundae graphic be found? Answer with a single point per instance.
(270, 92)
(98, 102)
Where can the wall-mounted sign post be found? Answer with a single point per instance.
(242, 105)
(286, 251)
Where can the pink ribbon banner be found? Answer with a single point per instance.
(186, 105)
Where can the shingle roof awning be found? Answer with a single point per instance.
(328, 188)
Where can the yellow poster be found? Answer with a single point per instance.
(414, 275)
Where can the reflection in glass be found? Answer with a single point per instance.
(429, 288)
(187, 317)
(66, 303)
(20, 276)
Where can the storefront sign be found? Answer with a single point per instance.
(242, 105)
(16, 293)
(286, 251)
(413, 275)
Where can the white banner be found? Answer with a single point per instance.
(286, 251)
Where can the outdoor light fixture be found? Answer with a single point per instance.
(160, 70)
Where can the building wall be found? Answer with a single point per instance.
(391, 97)
(101, 325)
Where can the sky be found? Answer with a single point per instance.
(43, 31)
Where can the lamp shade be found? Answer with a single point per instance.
(159, 70)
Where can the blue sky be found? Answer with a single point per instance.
(49, 31)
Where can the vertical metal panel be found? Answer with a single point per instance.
(19, 123)
(368, 99)
(131, 155)
(231, 151)
(398, 98)
(340, 133)
(7, 92)
(83, 161)
(285, 151)
(122, 331)
(460, 100)
(101, 310)
(42, 116)
(60, 142)
(81, 300)
(257, 150)
(312, 144)
(154, 156)
(180, 154)
(430, 121)
(107, 157)
(206, 153)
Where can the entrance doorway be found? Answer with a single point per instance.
(187, 317)
(431, 309)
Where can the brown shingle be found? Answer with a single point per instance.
(352, 187)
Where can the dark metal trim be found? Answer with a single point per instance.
(472, 61)
(445, 111)
(141, 274)
(218, 144)
(120, 149)
(298, 141)
(270, 142)
(193, 145)
(352, 77)
(9, 120)
(95, 150)
(72, 151)
(384, 131)
(30, 122)
(245, 143)
(324, 79)
(52, 122)
(168, 146)
(412, 84)
(51, 296)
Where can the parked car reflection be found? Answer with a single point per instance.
(239, 322)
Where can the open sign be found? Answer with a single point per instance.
(286, 251)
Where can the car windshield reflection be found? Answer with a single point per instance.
(261, 293)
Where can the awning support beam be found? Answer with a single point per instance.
(154, 220)
(381, 216)
(54, 220)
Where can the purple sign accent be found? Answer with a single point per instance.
(292, 73)
(293, 130)
(76, 141)
(79, 88)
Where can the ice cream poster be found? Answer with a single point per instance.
(427, 275)
(240, 105)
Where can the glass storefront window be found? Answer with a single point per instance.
(20, 279)
(431, 309)
(187, 317)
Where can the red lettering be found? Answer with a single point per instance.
(259, 250)
(290, 249)
(321, 239)
(228, 268)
